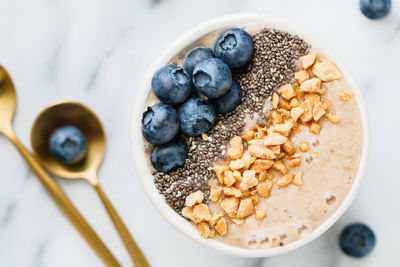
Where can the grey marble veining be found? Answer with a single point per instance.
(96, 52)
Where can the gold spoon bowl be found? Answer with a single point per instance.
(73, 113)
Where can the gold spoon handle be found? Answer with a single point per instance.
(65, 204)
(133, 249)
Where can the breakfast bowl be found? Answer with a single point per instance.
(180, 47)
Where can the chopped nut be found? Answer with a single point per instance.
(307, 114)
(296, 113)
(345, 97)
(212, 234)
(201, 212)
(204, 230)
(318, 111)
(248, 135)
(232, 191)
(280, 167)
(187, 212)
(287, 92)
(311, 86)
(260, 132)
(219, 171)
(289, 147)
(194, 198)
(246, 208)
(215, 193)
(276, 149)
(249, 180)
(221, 227)
(283, 128)
(298, 179)
(260, 214)
(313, 98)
(294, 103)
(301, 76)
(261, 165)
(304, 147)
(264, 188)
(260, 151)
(228, 178)
(285, 105)
(235, 150)
(247, 159)
(281, 155)
(254, 199)
(263, 176)
(237, 176)
(294, 163)
(214, 219)
(326, 104)
(285, 180)
(237, 221)
(332, 117)
(315, 128)
(256, 142)
(308, 60)
(236, 164)
(275, 100)
(230, 205)
(276, 118)
(326, 71)
(273, 139)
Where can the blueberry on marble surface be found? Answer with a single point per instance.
(68, 145)
(375, 9)
(168, 156)
(171, 84)
(196, 56)
(196, 116)
(160, 124)
(235, 47)
(212, 77)
(357, 240)
(230, 100)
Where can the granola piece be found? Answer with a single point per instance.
(263, 176)
(261, 165)
(298, 179)
(288, 147)
(201, 213)
(296, 112)
(264, 188)
(230, 205)
(235, 150)
(276, 149)
(219, 171)
(260, 151)
(249, 180)
(276, 118)
(307, 114)
(275, 100)
(280, 167)
(248, 135)
(313, 98)
(187, 212)
(311, 86)
(285, 180)
(221, 227)
(194, 198)
(294, 163)
(287, 92)
(236, 164)
(215, 193)
(318, 111)
(260, 132)
(332, 117)
(228, 178)
(215, 218)
(260, 214)
(273, 139)
(315, 128)
(247, 159)
(308, 60)
(256, 142)
(283, 128)
(327, 71)
(345, 97)
(237, 176)
(204, 230)
(301, 76)
(294, 103)
(232, 191)
(246, 208)
(304, 146)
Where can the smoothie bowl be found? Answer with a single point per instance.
(249, 135)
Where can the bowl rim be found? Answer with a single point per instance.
(141, 163)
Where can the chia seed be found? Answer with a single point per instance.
(273, 64)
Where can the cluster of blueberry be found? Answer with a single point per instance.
(193, 95)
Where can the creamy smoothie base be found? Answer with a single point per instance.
(329, 165)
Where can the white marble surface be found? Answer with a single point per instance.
(96, 51)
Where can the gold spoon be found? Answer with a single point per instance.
(73, 113)
(8, 102)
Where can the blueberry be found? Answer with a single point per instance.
(357, 240)
(166, 157)
(375, 9)
(160, 124)
(196, 116)
(171, 84)
(68, 145)
(196, 56)
(212, 77)
(230, 100)
(235, 47)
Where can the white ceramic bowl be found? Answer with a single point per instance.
(141, 159)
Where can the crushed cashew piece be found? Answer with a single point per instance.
(298, 179)
(230, 205)
(204, 230)
(201, 212)
(315, 128)
(237, 221)
(215, 193)
(301, 76)
(254, 199)
(304, 146)
(275, 100)
(273, 139)
(280, 167)
(248, 135)
(288, 147)
(232, 191)
(247, 159)
(332, 117)
(228, 178)
(261, 165)
(294, 163)
(215, 218)
(235, 150)
(264, 188)
(237, 176)
(308, 60)
(187, 212)
(194, 198)
(219, 171)
(276, 118)
(263, 176)
(307, 114)
(345, 97)
(283, 128)
(260, 151)
(285, 180)
(318, 111)
(311, 86)
(296, 112)
(294, 103)
(221, 227)
(236, 164)
(246, 208)
(249, 180)
(288, 92)
(327, 71)
(260, 214)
